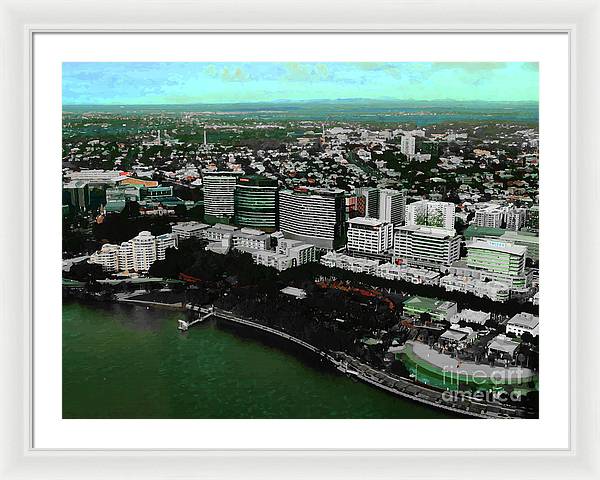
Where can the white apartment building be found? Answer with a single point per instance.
(346, 262)
(144, 251)
(418, 276)
(251, 238)
(185, 230)
(288, 254)
(407, 145)
(431, 214)
(426, 246)
(137, 254)
(490, 216)
(219, 193)
(216, 232)
(522, 323)
(494, 290)
(107, 257)
(163, 242)
(369, 235)
(392, 206)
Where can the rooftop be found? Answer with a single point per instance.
(503, 343)
(498, 246)
(474, 316)
(294, 292)
(527, 320)
(428, 303)
(431, 231)
(370, 222)
(454, 335)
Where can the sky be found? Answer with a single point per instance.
(126, 83)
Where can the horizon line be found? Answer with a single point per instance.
(300, 101)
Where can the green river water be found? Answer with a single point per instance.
(122, 361)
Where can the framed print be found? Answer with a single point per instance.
(346, 244)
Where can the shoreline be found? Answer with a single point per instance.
(398, 386)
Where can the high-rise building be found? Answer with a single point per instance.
(372, 200)
(255, 202)
(392, 206)
(312, 215)
(498, 260)
(107, 257)
(515, 218)
(407, 145)
(144, 251)
(356, 206)
(369, 235)
(428, 213)
(219, 192)
(426, 246)
(490, 216)
(163, 242)
(533, 219)
(77, 194)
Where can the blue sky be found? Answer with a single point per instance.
(126, 83)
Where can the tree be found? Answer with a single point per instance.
(86, 272)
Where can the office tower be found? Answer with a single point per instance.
(255, 202)
(502, 261)
(369, 235)
(392, 206)
(407, 145)
(426, 246)
(219, 192)
(312, 215)
(431, 214)
(515, 218)
(490, 216)
(372, 200)
(77, 194)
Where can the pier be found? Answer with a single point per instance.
(205, 313)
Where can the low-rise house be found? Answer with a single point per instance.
(503, 348)
(439, 310)
(523, 323)
(471, 316)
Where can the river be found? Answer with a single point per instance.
(122, 361)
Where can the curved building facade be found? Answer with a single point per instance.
(255, 202)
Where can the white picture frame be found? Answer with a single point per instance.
(18, 24)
